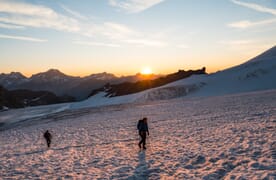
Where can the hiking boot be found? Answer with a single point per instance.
(144, 147)
(139, 146)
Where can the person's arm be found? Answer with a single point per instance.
(148, 129)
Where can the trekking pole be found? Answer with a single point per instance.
(149, 143)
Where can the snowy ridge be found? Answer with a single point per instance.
(254, 75)
(269, 54)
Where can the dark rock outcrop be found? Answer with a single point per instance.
(23, 98)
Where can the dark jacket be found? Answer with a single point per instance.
(47, 135)
(142, 127)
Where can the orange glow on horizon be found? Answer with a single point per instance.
(146, 71)
(82, 72)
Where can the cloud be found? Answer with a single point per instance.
(95, 44)
(24, 14)
(255, 7)
(134, 6)
(21, 14)
(26, 9)
(117, 31)
(248, 24)
(22, 38)
(72, 12)
(61, 24)
(10, 26)
(123, 34)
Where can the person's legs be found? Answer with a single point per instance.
(141, 141)
(144, 139)
(48, 142)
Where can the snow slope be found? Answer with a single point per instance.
(223, 137)
(254, 75)
(14, 116)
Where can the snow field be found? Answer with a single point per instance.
(226, 137)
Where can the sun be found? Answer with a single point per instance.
(146, 71)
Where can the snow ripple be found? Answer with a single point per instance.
(227, 137)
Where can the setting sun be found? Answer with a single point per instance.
(146, 70)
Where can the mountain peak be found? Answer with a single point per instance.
(50, 76)
(54, 72)
(49, 73)
(15, 75)
(12, 78)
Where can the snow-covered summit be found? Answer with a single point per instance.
(12, 78)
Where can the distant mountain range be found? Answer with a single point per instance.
(64, 85)
(53, 86)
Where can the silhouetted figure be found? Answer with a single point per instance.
(142, 126)
(47, 135)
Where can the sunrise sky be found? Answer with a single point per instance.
(81, 37)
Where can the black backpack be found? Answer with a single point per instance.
(139, 124)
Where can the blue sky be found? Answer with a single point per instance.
(81, 37)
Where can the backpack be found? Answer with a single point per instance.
(139, 124)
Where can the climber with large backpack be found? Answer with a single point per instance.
(143, 130)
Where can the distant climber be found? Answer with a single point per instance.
(142, 127)
(47, 135)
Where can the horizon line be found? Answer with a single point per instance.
(115, 74)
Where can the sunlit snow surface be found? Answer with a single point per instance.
(229, 137)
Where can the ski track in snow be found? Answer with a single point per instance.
(226, 137)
